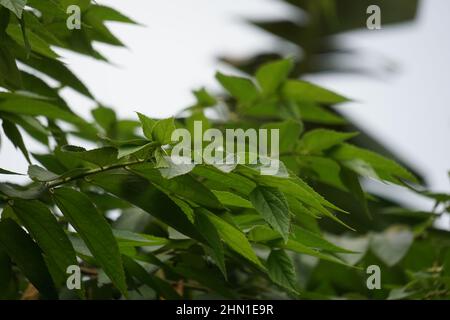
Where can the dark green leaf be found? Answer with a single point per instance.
(184, 186)
(281, 270)
(95, 231)
(138, 271)
(140, 192)
(49, 235)
(210, 233)
(15, 137)
(272, 205)
(27, 255)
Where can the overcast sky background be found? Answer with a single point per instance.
(176, 52)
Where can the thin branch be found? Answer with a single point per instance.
(83, 175)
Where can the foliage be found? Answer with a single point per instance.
(141, 227)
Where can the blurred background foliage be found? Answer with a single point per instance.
(313, 39)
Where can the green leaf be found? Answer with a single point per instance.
(234, 238)
(135, 149)
(232, 200)
(9, 287)
(315, 241)
(39, 108)
(58, 71)
(184, 186)
(271, 75)
(105, 13)
(16, 6)
(162, 131)
(27, 255)
(105, 117)
(15, 137)
(4, 171)
(392, 245)
(132, 239)
(281, 270)
(296, 246)
(30, 40)
(317, 140)
(139, 272)
(95, 231)
(301, 91)
(230, 180)
(49, 235)
(210, 233)
(289, 132)
(37, 173)
(242, 89)
(147, 125)
(315, 113)
(204, 99)
(351, 181)
(14, 191)
(272, 205)
(169, 169)
(141, 193)
(263, 233)
(370, 164)
(9, 72)
(102, 157)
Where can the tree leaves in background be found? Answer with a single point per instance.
(392, 245)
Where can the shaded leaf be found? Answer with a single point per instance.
(27, 255)
(281, 270)
(95, 231)
(49, 235)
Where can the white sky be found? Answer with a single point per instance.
(176, 52)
